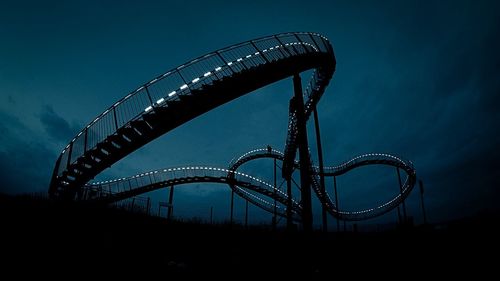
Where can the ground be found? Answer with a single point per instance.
(53, 237)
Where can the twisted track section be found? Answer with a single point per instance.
(362, 160)
(184, 93)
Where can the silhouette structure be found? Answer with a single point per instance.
(203, 84)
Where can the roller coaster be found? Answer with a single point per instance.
(198, 86)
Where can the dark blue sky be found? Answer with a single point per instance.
(415, 78)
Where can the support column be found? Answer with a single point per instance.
(232, 207)
(148, 206)
(275, 209)
(170, 203)
(321, 171)
(289, 221)
(246, 214)
(422, 200)
(305, 180)
(336, 201)
(401, 194)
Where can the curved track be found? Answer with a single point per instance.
(184, 93)
(118, 189)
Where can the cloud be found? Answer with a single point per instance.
(55, 126)
(26, 163)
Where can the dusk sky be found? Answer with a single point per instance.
(418, 79)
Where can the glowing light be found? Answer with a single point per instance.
(160, 101)
(207, 74)
(240, 59)
(184, 87)
(148, 108)
(172, 93)
(218, 68)
(195, 80)
(230, 63)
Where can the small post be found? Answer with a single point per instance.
(275, 209)
(246, 214)
(422, 200)
(337, 202)
(401, 194)
(170, 203)
(211, 215)
(232, 207)
(289, 221)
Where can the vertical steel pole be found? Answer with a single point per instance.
(336, 201)
(321, 175)
(211, 215)
(305, 181)
(246, 213)
(289, 221)
(232, 206)
(275, 209)
(170, 203)
(401, 194)
(422, 199)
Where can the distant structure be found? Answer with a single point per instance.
(198, 86)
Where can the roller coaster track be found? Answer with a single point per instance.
(333, 171)
(188, 91)
(111, 191)
(184, 93)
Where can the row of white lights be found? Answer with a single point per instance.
(205, 75)
(218, 68)
(364, 156)
(191, 168)
(257, 150)
(185, 86)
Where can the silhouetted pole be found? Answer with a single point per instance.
(132, 205)
(289, 221)
(399, 215)
(307, 219)
(170, 203)
(246, 213)
(401, 194)
(211, 215)
(336, 201)
(232, 206)
(148, 206)
(275, 209)
(399, 211)
(422, 199)
(321, 175)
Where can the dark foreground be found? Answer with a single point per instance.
(40, 236)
